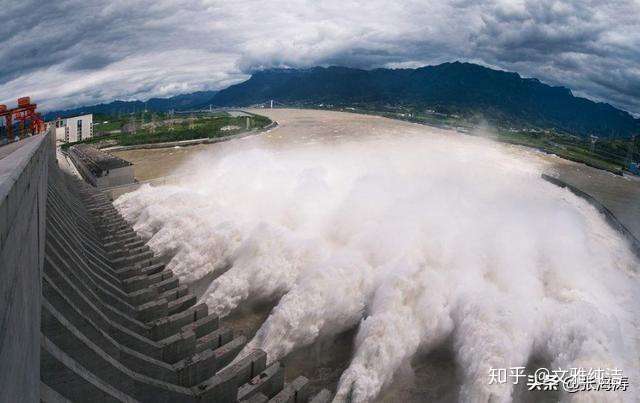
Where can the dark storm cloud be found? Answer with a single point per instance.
(592, 47)
(44, 34)
(92, 62)
(74, 52)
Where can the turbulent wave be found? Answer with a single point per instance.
(415, 240)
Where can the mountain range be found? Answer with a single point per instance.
(463, 89)
(178, 102)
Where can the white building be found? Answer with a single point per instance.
(76, 128)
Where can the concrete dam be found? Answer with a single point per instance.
(189, 290)
(90, 314)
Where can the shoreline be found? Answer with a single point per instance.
(192, 142)
(273, 124)
(620, 172)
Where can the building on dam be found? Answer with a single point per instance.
(101, 169)
(90, 313)
(73, 128)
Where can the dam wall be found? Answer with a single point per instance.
(23, 186)
(608, 214)
(116, 323)
(117, 191)
(90, 313)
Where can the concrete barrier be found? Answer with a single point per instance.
(324, 396)
(295, 392)
(117, 191)
(23, 188)
(608, 215)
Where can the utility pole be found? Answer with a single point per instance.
(631, 150)
(152, 128)
(134, 129)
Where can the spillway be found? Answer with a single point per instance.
(400, 241)
(380, 260)
(90, 313)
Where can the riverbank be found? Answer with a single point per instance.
(564, 146)
(169, 131)
(186, 143)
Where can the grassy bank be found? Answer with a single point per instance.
(170, 128)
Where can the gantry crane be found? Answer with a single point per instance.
(25, 114)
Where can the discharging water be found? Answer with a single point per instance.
(391, 261)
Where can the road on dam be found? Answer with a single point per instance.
(398, 197)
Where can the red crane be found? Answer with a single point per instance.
(26, 116)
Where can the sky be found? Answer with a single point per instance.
(67, 53)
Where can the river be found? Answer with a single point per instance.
(318, 147)
(621, 194)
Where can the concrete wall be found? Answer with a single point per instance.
(114, 177)
(116, 191)
(117, 177)
(608, 215)
(117, 325)
(23, 189)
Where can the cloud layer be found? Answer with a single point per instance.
(74, 52)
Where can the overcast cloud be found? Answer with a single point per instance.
(74, 52)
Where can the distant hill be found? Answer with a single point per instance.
(178, 102)
(458, 88)
(463, 89)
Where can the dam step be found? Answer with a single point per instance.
(117, 325)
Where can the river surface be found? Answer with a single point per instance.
(433, 376)
(299, 128)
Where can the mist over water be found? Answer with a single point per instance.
(415, 238)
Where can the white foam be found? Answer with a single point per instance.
(415, 238)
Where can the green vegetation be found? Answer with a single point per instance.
(106, 123)
(461, 89)
(461, 96)
(570, 148)
(610, 154)
(159, 128)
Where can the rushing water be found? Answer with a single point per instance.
(397, 261)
